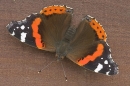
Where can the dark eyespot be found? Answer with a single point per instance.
(50, 9)
(61, 9)
(55, 9)
(100, 31)
(45, 10)
(97, 27)
(102, 36)
(93, 23)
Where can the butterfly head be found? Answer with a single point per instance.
(59, 57)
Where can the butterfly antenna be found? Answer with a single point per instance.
(64, 71)
(46, 66)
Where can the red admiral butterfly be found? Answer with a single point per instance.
(50, 30)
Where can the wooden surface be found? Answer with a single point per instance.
(19, 63)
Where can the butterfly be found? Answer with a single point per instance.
(51, 30)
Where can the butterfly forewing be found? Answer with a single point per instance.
(90, 50)
(53, 29)
(22, 30)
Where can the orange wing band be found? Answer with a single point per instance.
(96, 54)
(99, 29)
(36, 35)
(53, 9)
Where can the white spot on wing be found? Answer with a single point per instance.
(28, 15)
(112, 60)
(23, 36)
(107, 73)
(109, 49)
(13, 33)
(96, 20)
(22, 27)
(24, 20)
(19, 22)
(17, 27)
(90, 16)
(105, 62)
(99, 67)
(107, 44)
(34, 13)
(110, 56)
(117, 68)
(7, 25)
